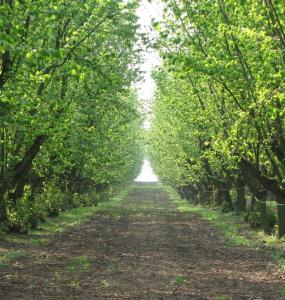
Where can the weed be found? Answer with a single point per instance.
(79, 263)
(179, 280)
(37, 241)
(105, 283)
(279, 257)
(282, 292)
(223, 297)
(74, 284)
(12, 256)
(57, 275)
(66, 219)
(4, 266)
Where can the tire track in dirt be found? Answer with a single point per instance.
(143, 249)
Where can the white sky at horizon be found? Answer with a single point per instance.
(146, 174)
(147, 11)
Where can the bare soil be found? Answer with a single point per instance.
(144, 249)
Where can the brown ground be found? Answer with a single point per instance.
(144, 249)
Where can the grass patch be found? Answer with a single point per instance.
(70, 218)
(12, 256)
(79, 264)
(66, 219)
(223, 297)
(228, 223)
(179, 280)
(37, 241)
(114, 204)
(282, 292)
(148, 185)
(52, 225)
(279, 257)
(74, 284)
(146, 200)
(115, 201)
(231, 225)
(57, 275)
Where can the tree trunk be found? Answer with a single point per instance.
(217, 199)
(268, 184)
(281, 219)
(226, 196)
(181, 193)
(252, 202)
(188, 193)
(13, 185)
(206, 195)
(264, 218)
(241, 200)
(22, 169)
(261, 196)
(3, 212)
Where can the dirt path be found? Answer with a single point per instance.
(143, 249)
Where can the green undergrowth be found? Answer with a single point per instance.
(114, 203)
(11, 257)
(64, 220)
(282, 292)
(233, 227)
(17, 244)
(53, 225)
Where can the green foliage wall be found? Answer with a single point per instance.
(69, 119)
(219, 110)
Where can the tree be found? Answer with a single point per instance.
(229, 56)
(69, 119)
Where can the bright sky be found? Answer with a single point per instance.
(146, 174)
(147, 11)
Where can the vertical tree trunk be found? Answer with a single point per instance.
(3, 212)
(19, 174)
(241, 200)
(187, 193)
(206, 195)
(227, 199)
(181, 193)
(217, 198)
(6, 59)
(263, 212)
(281, 219)
(3, 156)
(264, 218)
(195, 197)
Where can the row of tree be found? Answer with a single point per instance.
(69, 119)
(219, 113)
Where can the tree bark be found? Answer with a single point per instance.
(22, 168)
(281, 220)
(217, 199)
(256, 181)
(261, 197)
(226, 196)
(241, 200)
